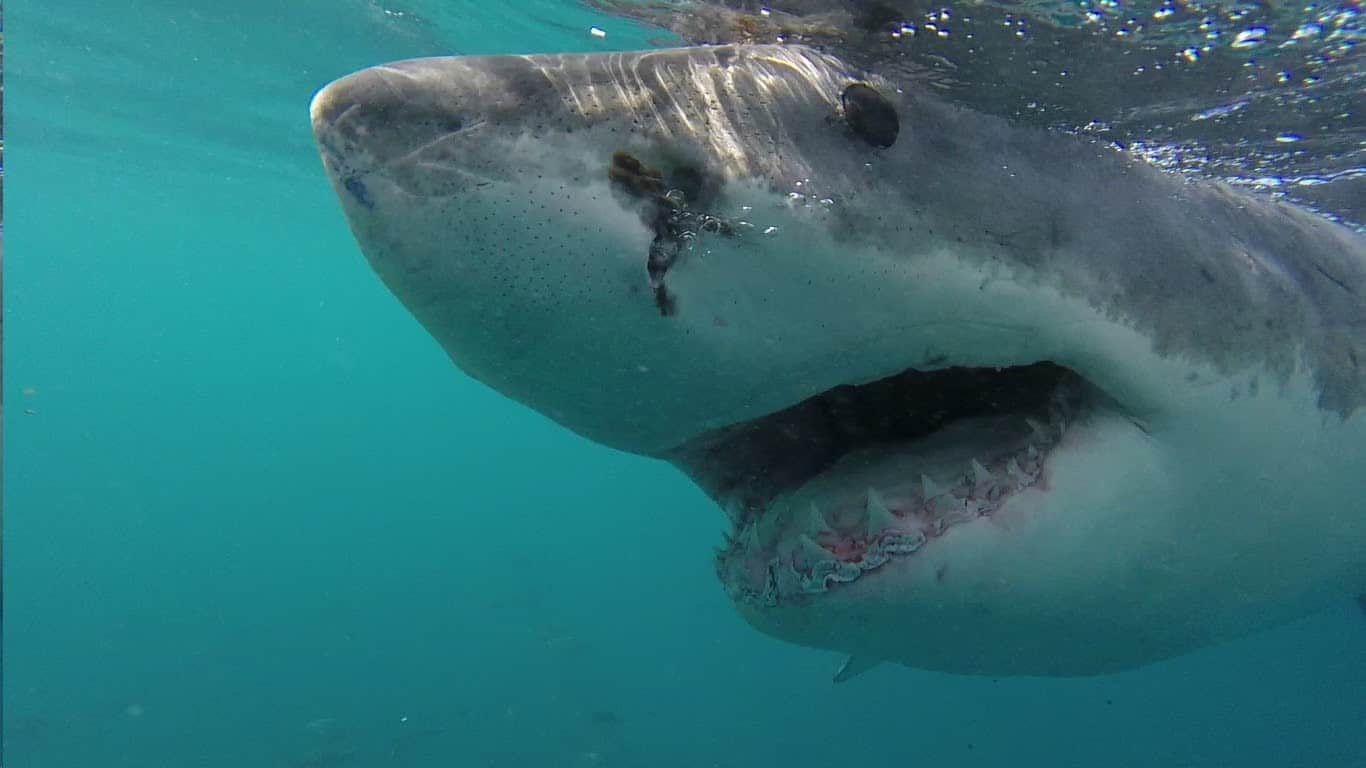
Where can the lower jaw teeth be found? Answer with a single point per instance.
(812, 556)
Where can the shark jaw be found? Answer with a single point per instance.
(898, 462)
(953, 422)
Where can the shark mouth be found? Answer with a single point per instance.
(843, 483)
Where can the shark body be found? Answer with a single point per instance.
(973, 397)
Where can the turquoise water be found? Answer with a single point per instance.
(256, 518)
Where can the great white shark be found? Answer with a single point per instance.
(974, 397)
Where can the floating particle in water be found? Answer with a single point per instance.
(604, 717)
(598, 32)
(1219, 111)
(1288, 138)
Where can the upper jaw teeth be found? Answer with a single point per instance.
(929, 488)
(979, 489)
(880, 518)
(735, 511)
(980, 474)
(816, 523)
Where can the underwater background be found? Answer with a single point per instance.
(254, 516)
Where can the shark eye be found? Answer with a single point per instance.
(870, 115)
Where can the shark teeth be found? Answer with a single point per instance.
(749, 538)
(1015, 473)
(880, 518)
(1039, 432)
(947, 503)
(815, 520)
(810, 551)
(734, 511)
(980, 474)
(929, 488)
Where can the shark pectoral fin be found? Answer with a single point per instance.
(855, 666)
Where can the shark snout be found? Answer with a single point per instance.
(378, 116)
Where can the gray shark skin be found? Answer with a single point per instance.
(974, 398)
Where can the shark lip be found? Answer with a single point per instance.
(822, 492)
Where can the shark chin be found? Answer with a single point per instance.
(972, 397)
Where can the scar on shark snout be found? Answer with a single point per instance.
(667, 213)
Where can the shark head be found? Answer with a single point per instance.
(973, 398)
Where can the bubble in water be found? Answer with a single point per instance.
(1250, 37)
(1308, 30)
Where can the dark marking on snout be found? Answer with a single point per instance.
(664, 249)
(667, 212)
(870, 115)
(689, 182)
(639, 180)
(636, 178)
(358, 190)
(1333, 279)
